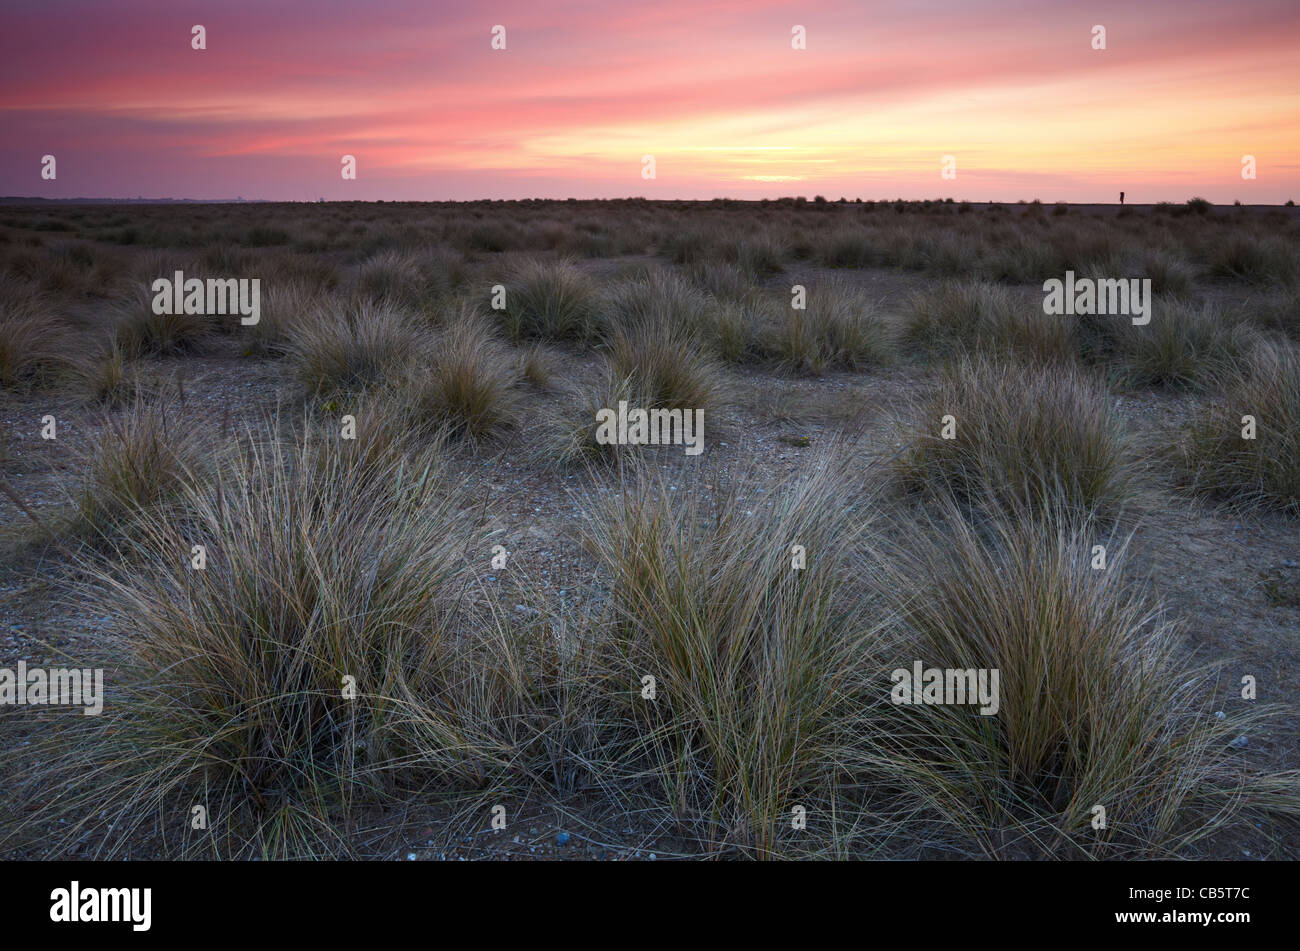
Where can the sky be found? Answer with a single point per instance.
(1014, 92)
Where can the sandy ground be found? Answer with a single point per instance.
(1208, 565)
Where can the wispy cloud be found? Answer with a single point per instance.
(713, 89)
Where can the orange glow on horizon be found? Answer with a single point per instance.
(713, 90)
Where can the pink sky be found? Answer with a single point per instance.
(712, 89)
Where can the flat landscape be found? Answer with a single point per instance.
(364, 580)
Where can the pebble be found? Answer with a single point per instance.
(1240, 742)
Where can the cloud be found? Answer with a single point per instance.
(583, 89)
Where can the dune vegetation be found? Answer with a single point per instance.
(363, 570)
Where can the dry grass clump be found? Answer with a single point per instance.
(977, 317)
(954, 254)
(1026, 435)
(392, 276)
(536, 365)
(721, 280)
(141, 459)
(226, 259)
(569, 433)
(1216, 458)
(285, 305)
(69, 269)
(849, 247)
(468, 388)
(1278, 312)
(1254, 259)
(692, 246)
(551, 301)
(485, 236)
(757, 665)
(714, 303)
(1095, 707)
(107, 375)
(138, 330)
(758, 255)
(665, 366)
(317, 271)
(304, 669)
(343, 346)
(836, 331)
(1022, 257)
(1183, 346)
(649, 364)
(381, 435)
(656, 298)
(33, 344)
(740, 331)
(414, 279)
(1169, 274)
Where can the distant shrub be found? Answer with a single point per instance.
(263, 236)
